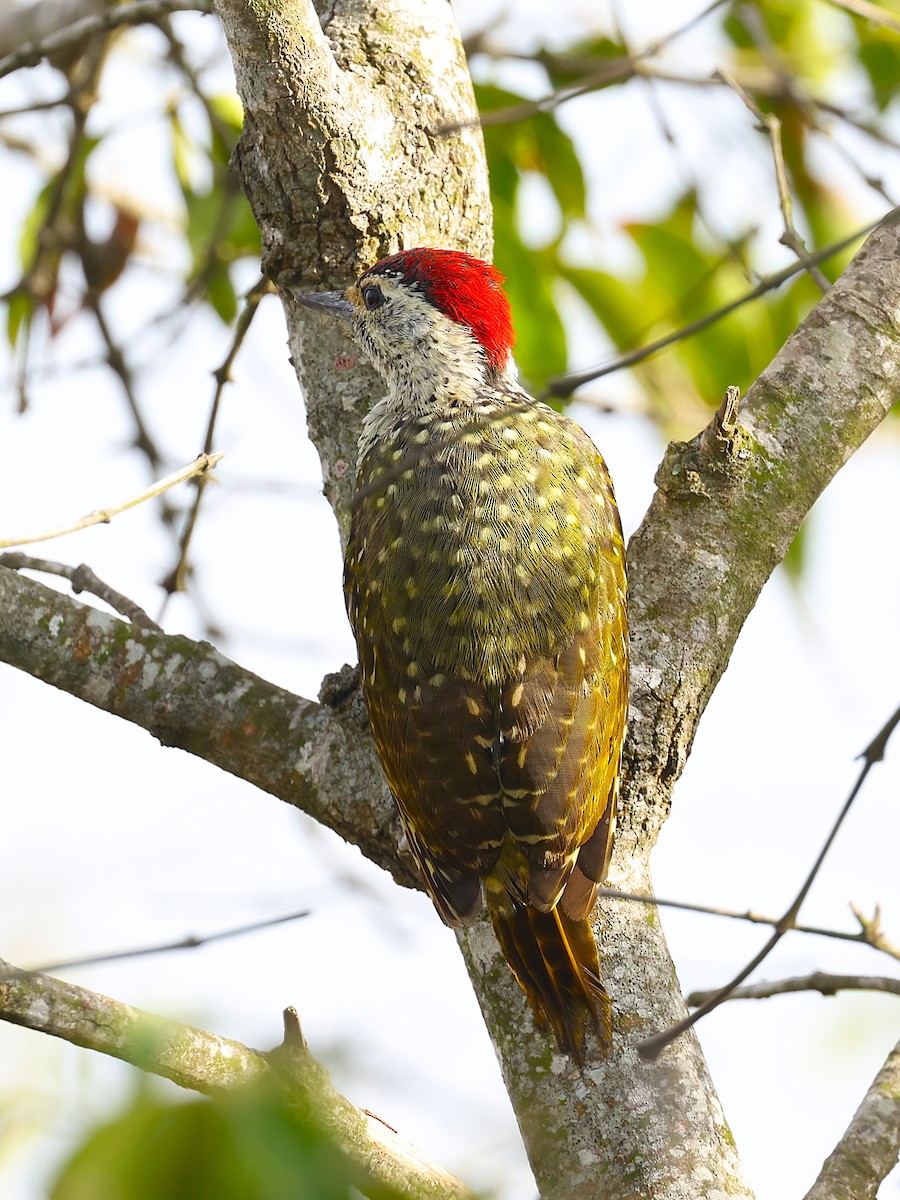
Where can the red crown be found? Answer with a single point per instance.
(466, 289)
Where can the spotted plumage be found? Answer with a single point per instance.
(485, 585)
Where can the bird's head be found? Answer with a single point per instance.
(435, 323)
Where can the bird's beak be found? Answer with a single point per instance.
(335, 304)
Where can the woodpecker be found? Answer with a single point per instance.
(485, 584)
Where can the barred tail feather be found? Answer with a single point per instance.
(555, 961)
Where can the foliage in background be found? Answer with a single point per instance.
(248, 1145)
(828, 77)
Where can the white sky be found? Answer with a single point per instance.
(111, 842)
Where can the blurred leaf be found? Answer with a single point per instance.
(220, 230)
(536, 143)
(220, 292)
(557, 159)
(229, 122)
(617, 303)
(805, 35)
(582, 59)
(794, 561)
(20, 309)
(683, 281)
(540, 337)
(182, 150)
(32, 226)
(879, 54)
(246, 1146)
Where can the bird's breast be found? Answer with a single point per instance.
(476, 543)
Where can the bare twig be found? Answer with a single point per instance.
(204, 1062)
(869, 1148)
(200, 465)
(565, 385)
(818, 981)
(118, 364)
(870, 934)
(873, 753)
(771, 125)
(82, 579)
(190, 942)
(615, 71)
(174, 580)
(135, 13)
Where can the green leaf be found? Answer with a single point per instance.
(183, 151)
(794, 561)
(246, 1146)
(558, 160)
(879, 54)
(583, 59)
(540, 337)
(19, 311)
(32, 225)
(224, 132)
(617, 304)
(220, 292)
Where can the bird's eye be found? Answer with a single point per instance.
(373, 296)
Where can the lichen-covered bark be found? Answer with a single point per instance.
(869, 1149)
(213, 1065)
(623, 1128)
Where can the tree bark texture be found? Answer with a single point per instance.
(214, 1065)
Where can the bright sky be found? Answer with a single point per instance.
(112, 842)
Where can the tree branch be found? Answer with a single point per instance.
(818, 981)
(67, 36)
(102, 516)
(206, 1063)
(82, 579)
(186, 694)
(870, 1147)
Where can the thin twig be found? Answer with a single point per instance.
(616, 71)
(771, 125)
(174, 580)
(565, 385)
(873, 753)
(818, 981)
(118, 364)
(136, 13)
(82, 579)
(870, 932)
(190, 942)
(102, 516)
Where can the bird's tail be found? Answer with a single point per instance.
(555, 960)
